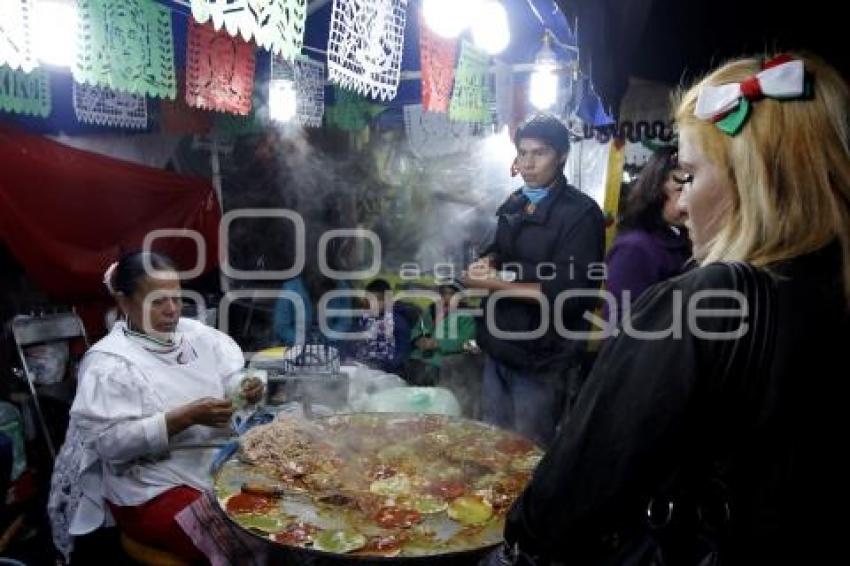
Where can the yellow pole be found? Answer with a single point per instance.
(613, 180)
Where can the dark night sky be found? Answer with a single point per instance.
(682, 35)
(688, 37)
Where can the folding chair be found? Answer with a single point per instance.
(31, 330)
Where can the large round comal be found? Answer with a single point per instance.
(376, 485)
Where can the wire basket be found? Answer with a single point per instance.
(315, 357)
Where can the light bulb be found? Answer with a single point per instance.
(543, 90)
(490, 29)
(282, 100)
(448, 18)
(55, 32)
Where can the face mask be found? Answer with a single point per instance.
(535, 194)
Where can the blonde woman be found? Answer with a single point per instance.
(717, 439)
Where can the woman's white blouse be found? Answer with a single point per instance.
(117, 447)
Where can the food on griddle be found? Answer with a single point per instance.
(378, 485)
(339, 541)
(387, 546)
(392, 517)
(296, 534)
(287, 448)
(470, 510)
(249, 503)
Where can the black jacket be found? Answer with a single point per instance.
(566, 229)
(757, 423)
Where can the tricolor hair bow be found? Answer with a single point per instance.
(729, 105)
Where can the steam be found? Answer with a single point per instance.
(427, 211)
(467, 189)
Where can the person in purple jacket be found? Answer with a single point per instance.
(653, 243)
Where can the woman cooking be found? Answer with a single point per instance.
(154, 383)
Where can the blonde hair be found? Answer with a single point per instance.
(789, 167)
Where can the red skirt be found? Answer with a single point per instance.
(153, 523)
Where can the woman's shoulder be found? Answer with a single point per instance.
(196, 330)
(634, 238)
(635, 247)
(728, 287)
(103, 361)
(717, 276)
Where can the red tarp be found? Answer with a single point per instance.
(66, 214)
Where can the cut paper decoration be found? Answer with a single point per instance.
(469, 97)
(365, 46)
(308, 77)
(503, 89)
(125, 45)
(219, 71)
(25, 93)
(105, 107)
(350, 111)
(275, 25)
(432, 134)
(176, 117)
(437, 56)
(16, 35)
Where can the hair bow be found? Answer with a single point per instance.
(728, 105)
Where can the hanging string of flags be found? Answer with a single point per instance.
(106, 107)
(437, 56)
(124, 54)
(303, 82)
(25, 93)
(219, 70)
(469, 96)
(125, 45)
(274, 25)
(365, 46)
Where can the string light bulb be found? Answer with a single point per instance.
(543, 87)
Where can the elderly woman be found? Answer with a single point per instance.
(154, 383)
(717, 439)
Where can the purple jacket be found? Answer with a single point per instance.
(639, 259)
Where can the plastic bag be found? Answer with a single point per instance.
(47, 362)
(364, 381)
(423, 400)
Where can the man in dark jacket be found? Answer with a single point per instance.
(548, 235)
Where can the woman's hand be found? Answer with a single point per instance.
(207, 411)
(252, 389)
